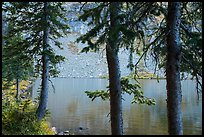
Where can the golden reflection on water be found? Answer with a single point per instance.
(70, 108)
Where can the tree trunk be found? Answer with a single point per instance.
(17, 88)
(17, 83)
(174, 94)
(45, 75)
(4, 29)
(114, 74)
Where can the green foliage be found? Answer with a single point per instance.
(101, 29)
(16, 63)
(134, 89)
(190, 34)
(127, 87)
(104, 32)
(37, 23)
(95, 32)
(192, 55)
(18, 117)
(144, 75)
(142, 100)
(27, 19)
(98, 93)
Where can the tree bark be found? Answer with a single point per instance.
(114, 74)
(17, 88)
(17, 83)
(45, 75)
(4, 29)
(174, 93)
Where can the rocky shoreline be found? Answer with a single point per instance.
(76, 131)
(90, 64)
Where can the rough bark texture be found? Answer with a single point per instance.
(114, 74)
(44, 92)
(174, 94)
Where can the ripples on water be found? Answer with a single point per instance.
(70, 108)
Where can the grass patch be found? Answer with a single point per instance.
(145, 75)
(103, 77)
(140, 75)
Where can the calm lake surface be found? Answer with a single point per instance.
(70, 108)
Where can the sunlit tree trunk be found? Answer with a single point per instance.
(44, 91)
(174, 94)
(114, 74)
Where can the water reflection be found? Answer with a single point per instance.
(70, 108)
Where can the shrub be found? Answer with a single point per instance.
(19, 117)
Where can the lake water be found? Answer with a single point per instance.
(70, 108)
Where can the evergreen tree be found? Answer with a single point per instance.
(190, 54)
(174, 93)
(114, 25)
(40, 22)
(190, 39)
(108, 22)
(45, 65)
(16, 64)
(112, 48)
(191, 36)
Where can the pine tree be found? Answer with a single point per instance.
(174, 93)
(40, 22)
(114, 25)
(108, 22)
(45, 65)
(16, 64)
(147, 22)
(191, 40)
